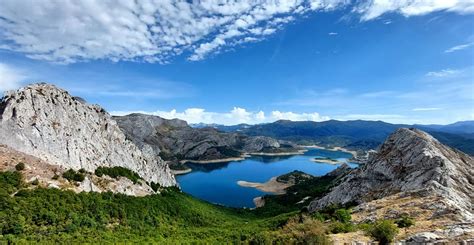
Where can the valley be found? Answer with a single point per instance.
(103, 180)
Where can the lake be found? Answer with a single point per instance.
(217, 182)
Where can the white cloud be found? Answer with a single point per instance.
(10, 78)
(155, 30)
(426, 109)
(443, 73)
(235, 116)
(459, 47)
(375, 8)
(332, 33)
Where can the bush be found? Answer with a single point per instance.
(155, 186)
(72, 175)
(340, 227)
(405, 222)
(342, 215)
(116, 172)
(20, 166)
(10, 181)
(383, 231)
(319, 216)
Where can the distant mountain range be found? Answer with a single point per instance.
(357, 134)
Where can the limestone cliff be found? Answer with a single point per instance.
(176, 139)
(47, 122)
(413, 163)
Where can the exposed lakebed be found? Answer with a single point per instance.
(217, 182)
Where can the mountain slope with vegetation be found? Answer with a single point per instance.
(358, 134)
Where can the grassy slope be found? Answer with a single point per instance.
(53, 215)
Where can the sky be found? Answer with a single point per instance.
(230, 62)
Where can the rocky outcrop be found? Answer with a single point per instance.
(414, 163)
(47, 122)
(176, 140)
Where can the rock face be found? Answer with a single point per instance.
(45, 121)
(412, 162)
(171, 138)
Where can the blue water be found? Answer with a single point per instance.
(217, 182)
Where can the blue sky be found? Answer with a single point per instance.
(402, 62)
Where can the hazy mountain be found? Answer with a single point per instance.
(358, 134)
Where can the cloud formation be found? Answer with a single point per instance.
(426, 109)
(10, 78)
(458, 47)
(155, 30)
(236, 116)
(443, 73)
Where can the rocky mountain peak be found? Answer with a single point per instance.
(410, 161)
(47, 122)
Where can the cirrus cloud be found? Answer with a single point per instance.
(72, 31)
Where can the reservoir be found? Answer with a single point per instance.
(217, 182)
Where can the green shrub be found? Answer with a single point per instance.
(10, 181)
(20, 166)
(340, 227)
(405, 221)
(72, 175)
(116, 172)
(383, 231)
(155, 186)
(342, 215)
(319, 216)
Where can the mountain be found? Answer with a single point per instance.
(47, 122)
(357, 134)
(413, 163)
(462, 127)
(175, 140)
(224, 128)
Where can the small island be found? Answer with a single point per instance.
(325, 160)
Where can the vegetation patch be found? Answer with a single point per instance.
(72, 175)
(20, 166)
(405, 221)
(116, 172)
(383, 231)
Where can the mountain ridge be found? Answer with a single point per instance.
(47, 122)
(413, 162)
(355, 134)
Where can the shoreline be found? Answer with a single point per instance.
(178, 172)
(230, 159)
(271, 186)
(299, 152)
(336, 148)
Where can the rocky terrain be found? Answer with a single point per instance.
(47, 122)
(40, 173)
(175, 140)
(412, 173)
